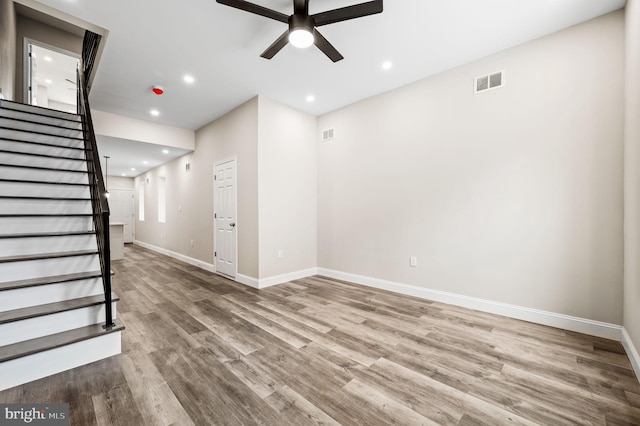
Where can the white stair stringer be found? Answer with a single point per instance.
(52, 308)
(42, 364)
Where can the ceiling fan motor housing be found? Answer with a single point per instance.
(301, 22)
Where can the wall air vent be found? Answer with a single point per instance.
(187, 167)
(488, 82)
(327, 135)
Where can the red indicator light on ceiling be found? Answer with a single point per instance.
(157, 90)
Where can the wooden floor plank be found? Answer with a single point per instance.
(200, 349)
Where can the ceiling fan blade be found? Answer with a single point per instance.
(326, 47)
(301, 6)
(348, 12)
(257, 9)
(276, 46)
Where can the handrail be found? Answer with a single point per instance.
(99, 202)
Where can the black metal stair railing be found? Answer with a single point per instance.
(99, 202)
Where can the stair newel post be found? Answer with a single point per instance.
(107, 276)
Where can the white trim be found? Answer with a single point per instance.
(566, 322)
(249, 281)
(275, 280)
(632, 352)
(190, 260)
(289, 276)
(42, 364)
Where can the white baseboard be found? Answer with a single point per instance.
(190, 260)
(242, 279)
(632, 352)
(275, 280)
(566, 322)
(249, 281)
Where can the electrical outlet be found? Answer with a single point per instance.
(280, 254)
(413, 261)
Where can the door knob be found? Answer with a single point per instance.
(232, 225)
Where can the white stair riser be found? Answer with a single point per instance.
(43, 364)
(43, 111)
(42, 175)
(41, 149)
(15, 271)
(39, 295)
(18, 246)
(44, 190)
(34, 225)
(40, 128)
(17, 206)
(37, 161)
(35, 137)
(33, 328)
(54, 121)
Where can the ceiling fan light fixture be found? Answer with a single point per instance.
(301, 38)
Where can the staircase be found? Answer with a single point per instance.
(52, 301)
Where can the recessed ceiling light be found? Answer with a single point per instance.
(48, 58)
(124, 174)
(387, 65)
(165, 151)
(145, 162)
(133, 169)
(48, 81)
(154, 112)
(188, 79)
(311, 98)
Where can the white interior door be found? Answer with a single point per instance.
(121, 211)
(224, 217)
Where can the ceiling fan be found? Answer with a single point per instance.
(302, 26)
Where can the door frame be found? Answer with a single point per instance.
(26, 70)
(215, 203)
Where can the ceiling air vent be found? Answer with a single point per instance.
(187, 167)
(327, 135)
(488, 82)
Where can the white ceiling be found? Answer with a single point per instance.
(57, 72)
(157, 43)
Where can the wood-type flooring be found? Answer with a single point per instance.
(200, 349)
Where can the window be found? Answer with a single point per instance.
(141, 201)
(162, 199)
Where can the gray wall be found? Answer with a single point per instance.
(190, 194)
(632, 174)
(7, 48)
(276, 168)
(514, 195)
(38, 31)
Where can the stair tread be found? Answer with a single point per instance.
(33, 197)
(33, 132)
(42, 182)
(40, 256)
(42, 111)
(53, 341)
(53, 308)
(51, 145)
(47, 234)
(37, 123)
(33, 154)
(45, 214)
(55, 169)
(34, 282)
